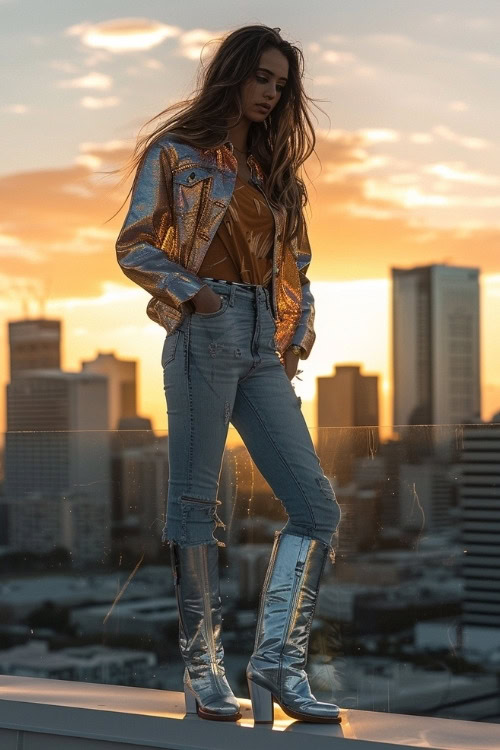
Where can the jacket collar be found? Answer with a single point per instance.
(252, 162)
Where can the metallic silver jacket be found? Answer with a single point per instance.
(180, 196)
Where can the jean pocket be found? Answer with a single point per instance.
(169, 348)
(222, 309)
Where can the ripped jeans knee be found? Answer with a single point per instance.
(196, 522)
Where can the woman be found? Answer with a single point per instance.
(215, 233)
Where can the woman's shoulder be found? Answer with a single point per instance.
(170, 149)
(177, 145)
(180, 153)
(164, 140)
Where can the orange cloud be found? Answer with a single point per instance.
(54, 233)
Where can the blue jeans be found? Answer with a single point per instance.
(219, 368)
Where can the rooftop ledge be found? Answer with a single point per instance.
(43, 714)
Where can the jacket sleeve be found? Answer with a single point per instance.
(304, 335)
(148, 238)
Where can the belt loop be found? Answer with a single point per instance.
(266, 294)
(232, 292)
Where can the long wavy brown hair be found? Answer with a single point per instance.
(280, 144)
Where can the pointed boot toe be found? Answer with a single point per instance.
(276, 670)
(314, 711)
(221, 710)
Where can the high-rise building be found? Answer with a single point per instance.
(359, 527)
(425, 496)
(480, 534)
(435, 325)
(34, 344)
(57, 450)
(392, 454)
(55, 440)
(76, 521)
(144, 482)
(122, 390)
(348, 399)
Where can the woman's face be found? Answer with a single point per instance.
(265, 85)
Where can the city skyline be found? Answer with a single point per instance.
(404, 189)
(407, 172)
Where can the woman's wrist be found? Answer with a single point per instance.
(296, 349)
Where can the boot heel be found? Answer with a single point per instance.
(189, 697)
(262, 703)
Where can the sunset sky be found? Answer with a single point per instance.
(407, 170)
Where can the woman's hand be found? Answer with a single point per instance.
(206, 300)
(291, 363)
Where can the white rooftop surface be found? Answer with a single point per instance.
(42, 714)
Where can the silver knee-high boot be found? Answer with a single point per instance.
(196, 583)
(288, 600)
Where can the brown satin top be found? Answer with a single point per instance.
(241, 249)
